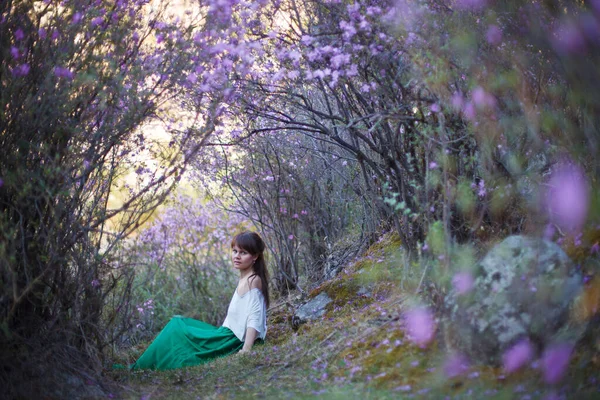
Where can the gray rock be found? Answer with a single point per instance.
(314, 309)
(524, 287)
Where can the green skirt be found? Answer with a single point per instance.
(184, 342)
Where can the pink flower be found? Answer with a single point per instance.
(192, 78)
(493, 35)
(462, 282)
(306, 40)
(567, 199)
(77, 18)
(569, 39)
(457, 101)
(62, 72)
(291, 237)
(420, 325)
(14, 52)
(21, 70)
(481, 188)
(433, 165)
(435, 107)
(469, 111)
(555, 362)
(97, 21)
(19, 34)
(483, 99)
(517, 356)
(348, 28)
(456, 364)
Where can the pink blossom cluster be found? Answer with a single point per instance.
(420, 325)
(331, 58)
(554, 361)
(567, 197)
(187, 225)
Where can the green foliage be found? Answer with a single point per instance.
(436, 238)
(465, 198)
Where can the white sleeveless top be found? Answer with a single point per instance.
(247, 311)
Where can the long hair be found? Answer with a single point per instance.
(253, 244)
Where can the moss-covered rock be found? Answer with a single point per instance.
(524, 287)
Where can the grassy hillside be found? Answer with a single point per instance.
(357, 350)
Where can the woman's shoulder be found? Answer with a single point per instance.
(254, 282)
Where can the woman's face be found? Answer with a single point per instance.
(242, 260)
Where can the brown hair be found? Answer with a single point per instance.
(253, 244)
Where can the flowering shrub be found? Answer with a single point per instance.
(183, 265)
(83, 86)
(292, 193)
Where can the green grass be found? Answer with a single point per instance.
(358, 350)
(339, 359)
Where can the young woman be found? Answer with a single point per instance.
(185, 341)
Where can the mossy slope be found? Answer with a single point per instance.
(358, 349)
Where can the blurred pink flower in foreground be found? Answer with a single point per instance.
(457, 101)
(517, 356)
(462, 282)
(567, 198)
(569, 39)
(469, 111)
(555, 362)
(420, 325)
(456, 364)
(483, 99)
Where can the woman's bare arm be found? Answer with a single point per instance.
(251, 334)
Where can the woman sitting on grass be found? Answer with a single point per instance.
(184, 341)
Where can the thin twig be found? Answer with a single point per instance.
(422, 277)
